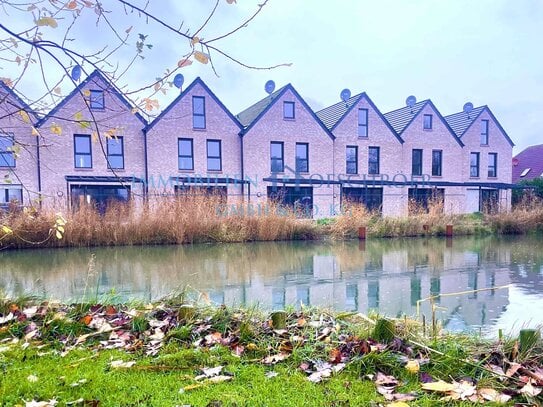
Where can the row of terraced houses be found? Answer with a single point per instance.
(278, 148)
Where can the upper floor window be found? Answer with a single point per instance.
(10, 195)
(185, 154)
(437, 158)
(198, 112)
(484, 132)
(474, 165)
(373, 160)
(416, 162)
(362, 122)
(288, 110)
(302, 157)
(492, 165)
(352, 160)
(276, 156)
(82, 151)
(7, 157)
(428, 118)
(97, 99)
(115, 153)
(214, 161)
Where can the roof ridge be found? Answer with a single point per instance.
(275, 93)
(406, 107)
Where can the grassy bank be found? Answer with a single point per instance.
(198, 219)
(171, 354)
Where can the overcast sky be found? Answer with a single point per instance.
(484, 51)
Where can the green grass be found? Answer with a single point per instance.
(168, 378)
(147, 385)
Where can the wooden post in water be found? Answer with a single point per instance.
(449, 230)
(362, 233)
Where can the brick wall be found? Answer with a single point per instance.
(25, 173)
(57, 151)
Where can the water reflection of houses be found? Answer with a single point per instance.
(386, 275)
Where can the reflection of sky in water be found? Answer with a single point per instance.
(390, 276)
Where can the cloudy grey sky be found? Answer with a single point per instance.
(452, 51)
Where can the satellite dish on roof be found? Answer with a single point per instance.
(468, 107)
(410, 101)
(345, 95)
(76, 73)
(178, 80)
(269, 87)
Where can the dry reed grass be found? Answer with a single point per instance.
(526, 216)
(199, 219)
(428, 220)
(187, 219)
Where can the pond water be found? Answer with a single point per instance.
(387, 275)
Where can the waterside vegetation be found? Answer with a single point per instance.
(202, 219)
(175, 352)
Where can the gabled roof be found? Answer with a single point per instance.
(461, 122)
(250, 116)
(333, 115)
(21, 102)
(197, 81)
(531, 157)
(400, 119)
(78, 89)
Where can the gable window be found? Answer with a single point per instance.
(185, 155)
(288, 110)
(484, 132)
(115, 153)
(492, 165)
(437, 158)
(373, 160)
(97, 100)
(214, 162)
(362, 122)
(198, 112)
(276, 156)
(82, 151)
(302, 157)
(352, 160)
(416, 162)
(474, 165)
(10, 196)
(427, 122)
(7, 157)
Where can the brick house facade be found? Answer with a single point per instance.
(94, 147)
(19, 155)
(195, 144)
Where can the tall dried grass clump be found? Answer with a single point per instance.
(175, 220)
(429, 220)
(525, 217)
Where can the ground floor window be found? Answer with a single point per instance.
(423, 199)
(371, 198)
(99, 196)
(11, 198)
(490, 201)
(299, 199)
